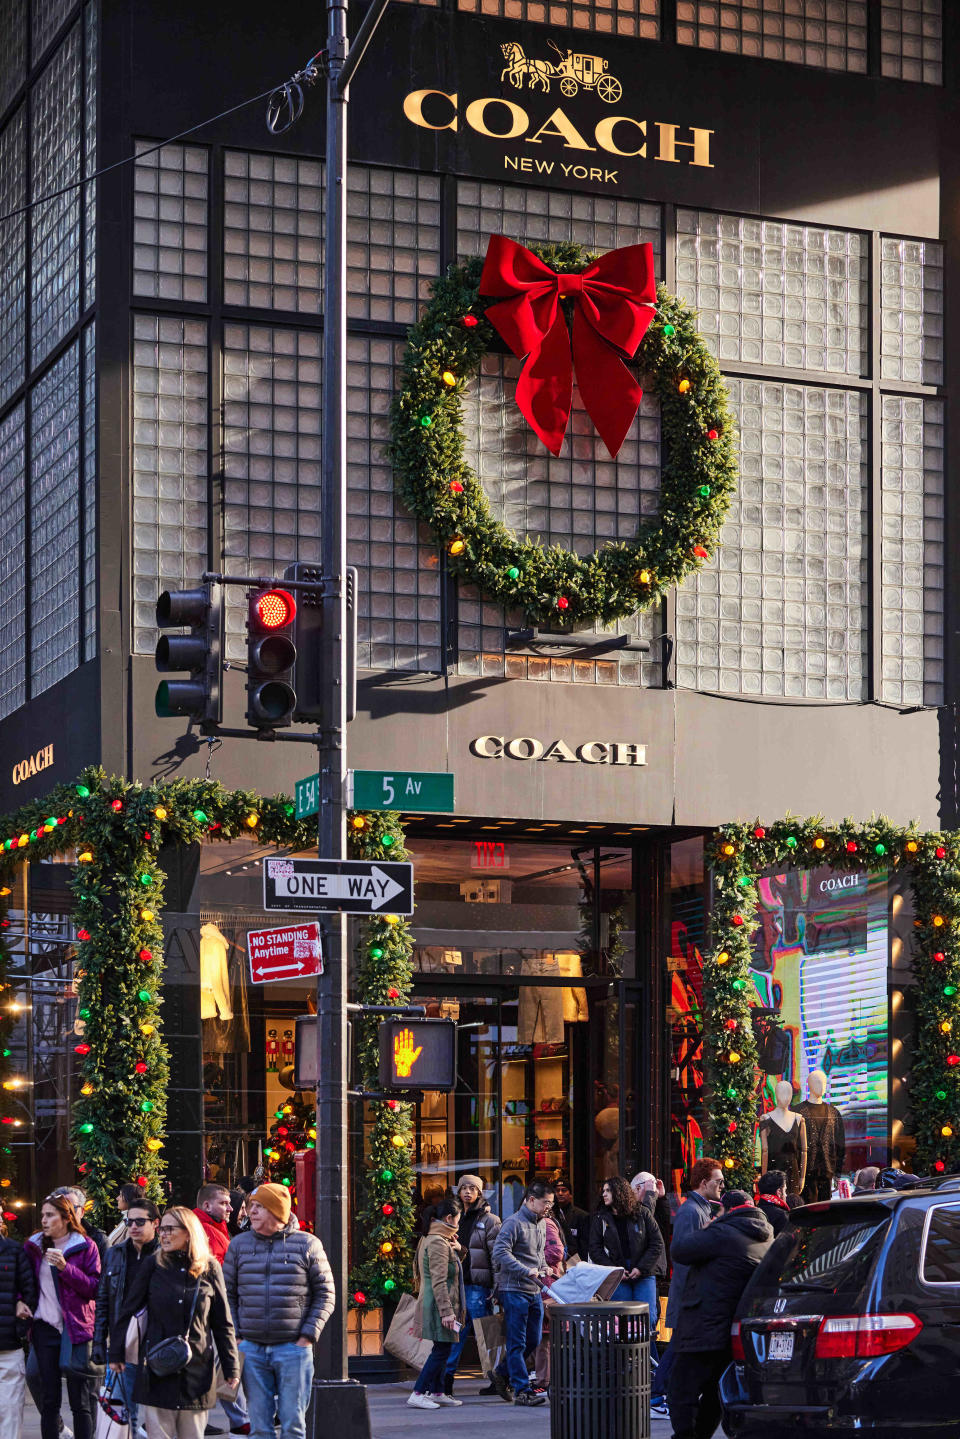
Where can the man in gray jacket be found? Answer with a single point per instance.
(518, 1255)
(280, 1289)
(704, 1191)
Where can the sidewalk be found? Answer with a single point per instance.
(390, 1418)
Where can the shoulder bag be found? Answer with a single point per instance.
(169, 1356)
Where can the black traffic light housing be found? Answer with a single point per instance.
(418, 1054)
(271, 657)
(200, 653)
(308, 629)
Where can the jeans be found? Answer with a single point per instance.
(430, 1378)
(126, 1385)
(523, 1321)
(694, 1396)
(641, 1291)
(661, 1375)
(276, 1380)
(44, 1367)
(12, 1387)
(478, 1304)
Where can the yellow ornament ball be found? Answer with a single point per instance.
(391, 919)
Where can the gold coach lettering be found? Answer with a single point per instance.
(513, 122)
(27, 768)
(528, 747)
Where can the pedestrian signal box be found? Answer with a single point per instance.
(418, 1054)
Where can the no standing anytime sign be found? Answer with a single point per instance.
(289, 953)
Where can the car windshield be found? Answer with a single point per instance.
(826, 1251)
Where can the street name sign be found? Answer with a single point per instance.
(289, 953)
(421, 790)
(308, 796)
(346, 886)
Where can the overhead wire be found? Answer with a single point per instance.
(289, 107)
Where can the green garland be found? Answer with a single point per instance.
(385, 1213)
(739, 853)
(698, 477)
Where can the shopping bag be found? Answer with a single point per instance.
(401, 1341)
(113, 1421)
(225, 1390)
(491, 1333)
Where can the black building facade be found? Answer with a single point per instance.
(792, 167)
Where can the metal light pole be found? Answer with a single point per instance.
(338, 1406)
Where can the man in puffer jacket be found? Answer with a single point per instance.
(280, 1289)
(476, 1234)
(721, 1259)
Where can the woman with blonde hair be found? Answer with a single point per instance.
(181, 1287)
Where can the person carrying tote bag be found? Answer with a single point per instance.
(66, 1265)
(441, 1303)
(187, 1316)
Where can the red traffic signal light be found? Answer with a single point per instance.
(275, 608)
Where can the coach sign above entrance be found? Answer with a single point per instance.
(591, 751)
(27, 768)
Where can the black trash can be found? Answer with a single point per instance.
(599, 1371)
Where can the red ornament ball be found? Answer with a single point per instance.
(469, 322)
(456, 488)
(83, 934)
(713, 434)
(563, 603)
(939, 1166)
(116, 804)
(282, 1129)
(851, 847)
(939, 956)
(737, 921)
(146, 955)
(391, 1104)
(760, 832)
(732, 1127)
(142, 1180)
(940, 852)
(393, 994)
(701, 553)
(359, 1297)
(731, 1023)
(386, 1209)
(953, 1060)
(81, 1049)
(140, 1067)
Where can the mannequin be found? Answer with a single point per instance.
(214, 974)
(783, 1140)
(825, 1138)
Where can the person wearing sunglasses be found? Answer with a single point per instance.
(140, 1221)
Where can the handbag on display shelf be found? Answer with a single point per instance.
(401, 1341)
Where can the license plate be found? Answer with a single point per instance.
(781, 1346)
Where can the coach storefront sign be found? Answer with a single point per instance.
(33, 764)
(528, 747)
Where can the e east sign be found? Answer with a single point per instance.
(418, 1054)
(527, 747)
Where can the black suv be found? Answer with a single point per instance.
(852, 1322)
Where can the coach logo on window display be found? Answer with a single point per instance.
(591, 751)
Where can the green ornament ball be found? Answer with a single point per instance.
(669, 331)
(387, 841)
(792, 842)
(513, 573)
(82, 791)
(376, 952)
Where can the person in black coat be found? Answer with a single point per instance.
(721, 1259)
(772, 1199)
(624, 1232)
(18, 1299)
(182, 1289)
(120, 1266)
(574, 1223)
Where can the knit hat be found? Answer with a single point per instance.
(473, 1179)
(275, 1198)
(735, 1199)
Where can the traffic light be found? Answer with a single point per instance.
(200, 653)
(271, 657)
(308, 628)
(418, 1054)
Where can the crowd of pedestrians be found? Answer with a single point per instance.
(169, 1312)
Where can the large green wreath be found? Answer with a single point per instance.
(699, 474)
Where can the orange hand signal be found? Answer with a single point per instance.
(404, 1054)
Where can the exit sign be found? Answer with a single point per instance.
(489, 854)
(417, 790)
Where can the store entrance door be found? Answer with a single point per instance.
(511, 1117)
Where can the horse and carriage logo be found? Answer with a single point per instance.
(573, 71)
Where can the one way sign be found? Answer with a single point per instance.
(329, 886)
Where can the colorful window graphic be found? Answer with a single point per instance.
(820, 979)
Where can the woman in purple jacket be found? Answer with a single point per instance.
(67, 1266)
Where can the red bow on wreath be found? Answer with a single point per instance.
(614, 302)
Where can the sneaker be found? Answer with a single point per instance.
(422, 1401)
(446, 1399)
(527, 1397)
(659, 1409)
(502, 1386)
(490, 1389)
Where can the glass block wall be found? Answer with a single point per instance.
(911, 40)
(911, 311)
(170, 223)
(48, 89)
(831, 34)
(639, 18)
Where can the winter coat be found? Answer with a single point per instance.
(693, 1214)
(119, 1265)
(659, 1207)
(438, 1281)
(646, 1243)
(280, 1288)
(166, 1291)
(553, 1247)
(778, 1214)
(480, 1245)
(720, 1259)
(520, 1247)
(76, 1283)
(98, 1236)
(575, 1227)
(17, 1281)
(218, 1235)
